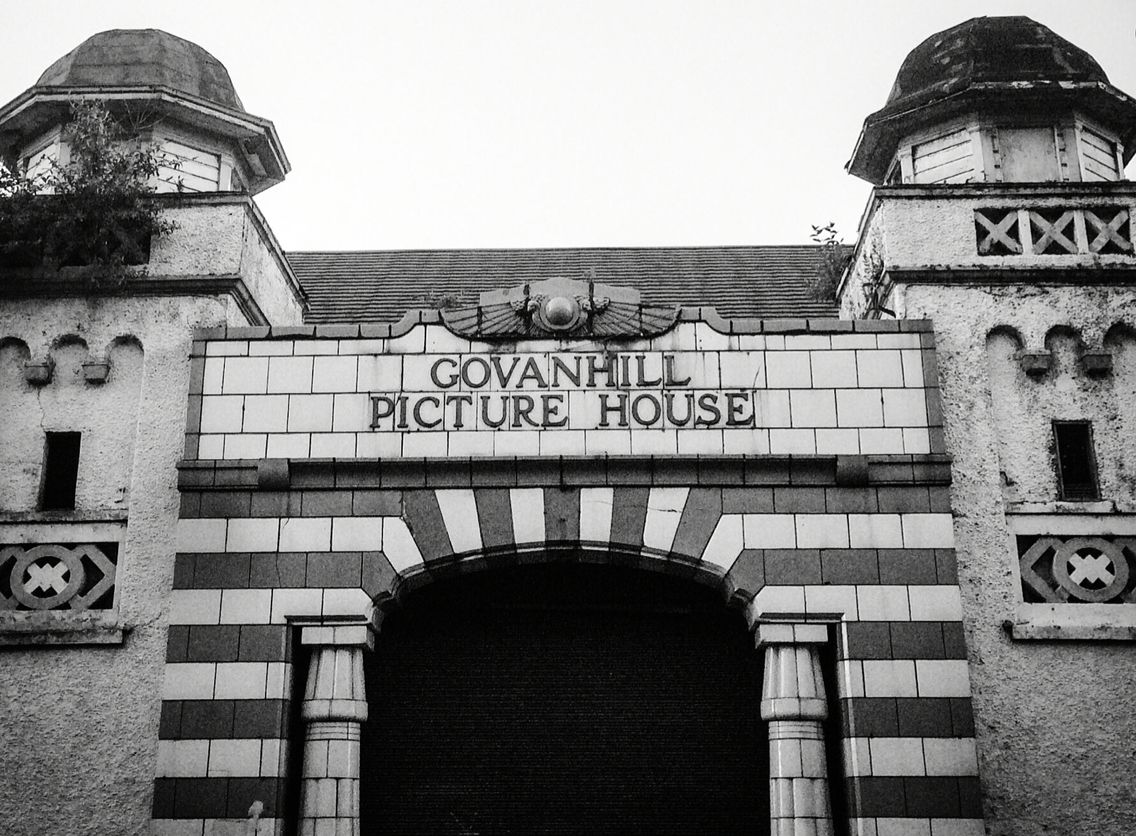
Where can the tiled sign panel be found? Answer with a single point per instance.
(694, 390)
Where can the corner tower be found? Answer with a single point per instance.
(94, 379)
(1001, 212)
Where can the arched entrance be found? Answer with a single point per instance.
(566, 697)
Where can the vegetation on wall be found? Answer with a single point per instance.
(831, 262)
(95, 211)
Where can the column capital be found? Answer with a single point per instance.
(784, 631)
(335, 688)
(337, 631)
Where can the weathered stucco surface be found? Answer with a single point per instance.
(220, 236)
(264, 275)
(1054, 719)
(208, 241)
(80, 724)
(934, 228)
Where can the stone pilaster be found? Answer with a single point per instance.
(333, 710)
(793, 703)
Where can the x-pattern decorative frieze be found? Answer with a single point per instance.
(1053, 232)
(999, 232)
(1094, 570)
(1104, 230)
(1109, 234)
(56, 576)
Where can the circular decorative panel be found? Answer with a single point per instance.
(1090, 569)
(46, 577)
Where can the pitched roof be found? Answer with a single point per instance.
(380, 286)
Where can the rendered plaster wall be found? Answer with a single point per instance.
(208, 241)
(1054, 720)
(924, 228)
(934, 227)
(867, 265)
(263, 272)
(79, 724)
(222, 237)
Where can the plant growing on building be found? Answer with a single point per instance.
(95, 212)
(832, 260)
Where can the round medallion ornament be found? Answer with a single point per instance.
(45, 577)
(560, 313)
(1090, 569)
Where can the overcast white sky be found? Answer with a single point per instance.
(518, 124)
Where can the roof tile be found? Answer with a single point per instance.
(380, 286)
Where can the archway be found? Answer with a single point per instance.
(565, 697)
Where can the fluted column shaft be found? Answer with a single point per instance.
(794, 705)
(333, 710)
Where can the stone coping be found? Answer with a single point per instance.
(1065, 190)
(61, 627)
(566, 471)
(349, 331)
(35, 282)
(1086, 269)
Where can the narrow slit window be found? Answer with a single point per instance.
(1076, 464)
(60, 471)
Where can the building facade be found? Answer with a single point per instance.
(623, 540)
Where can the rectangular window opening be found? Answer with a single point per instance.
(1076, 464)
(60, 471)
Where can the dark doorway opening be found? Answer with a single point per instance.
(565, 698)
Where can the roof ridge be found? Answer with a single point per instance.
(648, 248)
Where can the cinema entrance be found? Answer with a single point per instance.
(564, 697)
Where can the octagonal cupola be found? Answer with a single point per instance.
(998, 99)
(171, 92)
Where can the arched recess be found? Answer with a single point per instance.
(695, 538)
(569, 690)
(68, 354)
(1120, 341)
(1066, 344)
(13, 354)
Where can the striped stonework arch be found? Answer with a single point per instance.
(457, 530)
(278, 555)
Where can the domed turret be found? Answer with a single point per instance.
(997, 99)
(194, 113)
(143, 58)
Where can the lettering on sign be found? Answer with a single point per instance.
(572, 391)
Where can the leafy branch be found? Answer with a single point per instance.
(95, 212)
(832, 261)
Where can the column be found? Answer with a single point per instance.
(793, 703)
(333, 710)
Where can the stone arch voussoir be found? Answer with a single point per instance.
(448, 532)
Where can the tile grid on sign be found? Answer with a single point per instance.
(874, 393)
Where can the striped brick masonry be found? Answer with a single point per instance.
(862, 544)
(794, 704)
